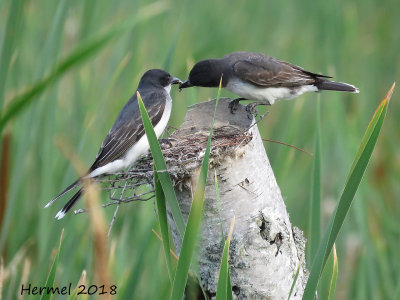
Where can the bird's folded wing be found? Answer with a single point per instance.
(125, 133)
(271, 72)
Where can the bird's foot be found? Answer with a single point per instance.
(234, 104)
(252, 109)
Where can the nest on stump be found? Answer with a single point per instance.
(183, 154)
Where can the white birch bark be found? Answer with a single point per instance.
(265, 250)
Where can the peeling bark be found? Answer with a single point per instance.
(265, 249)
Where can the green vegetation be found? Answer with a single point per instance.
(353, 181)
(52, 273)
(67, 68)
(332, 286)
(224, 288)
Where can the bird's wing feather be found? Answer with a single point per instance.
(128, 129)
(266, 71)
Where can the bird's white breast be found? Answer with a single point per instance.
(142, 146)
(271, 94)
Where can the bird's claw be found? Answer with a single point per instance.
(251, 110)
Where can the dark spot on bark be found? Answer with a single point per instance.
(236, 290)
(233, 247)
(278, 242)
(214, 252)
(246, 181)
(264, 228)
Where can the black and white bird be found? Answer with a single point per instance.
(255, 76)
(127, 140)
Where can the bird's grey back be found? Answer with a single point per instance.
(128, 127)
(264, 70)
(130, 111)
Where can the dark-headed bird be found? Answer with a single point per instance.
(127, 140)
(255, 76)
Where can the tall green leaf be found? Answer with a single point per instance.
(128, 285)
(162, 217)
(81, 53)
(294, 281)
(8, 45)
(161, 168)
(52, 273)
(356, 173)
(224, 288)
(45, 112)
(315, 205)
(335, 271)
(397, 297)
(189, 241)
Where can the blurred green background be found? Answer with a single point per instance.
(354, 41)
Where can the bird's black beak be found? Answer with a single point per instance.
(184, 85)
(175, 80)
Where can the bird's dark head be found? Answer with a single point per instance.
(206, 73)
(158, 78)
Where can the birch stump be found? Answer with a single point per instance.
(266, 251)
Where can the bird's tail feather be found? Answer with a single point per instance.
(336, 86)
(69, 205)
(70, 187)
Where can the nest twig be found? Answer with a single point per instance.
(183, 154)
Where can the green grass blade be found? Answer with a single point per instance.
(46, 112)
(162, 217)
(356, 173)
(174, 40)
(129, 285)
(82, 52)
(52, 273)
(315, 205)
(74, 294)
(294, 282)
(161, 168)
(171, 50)
(223, 274)
(52, 45)
(11, 33)
(332, 285)
(193, 224)
(229, 287)
(224, 288)
(397, 297)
